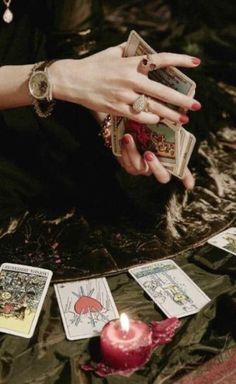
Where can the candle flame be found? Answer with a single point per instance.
(124, 322)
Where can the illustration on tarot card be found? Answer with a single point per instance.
(86, 306)
(22, 292)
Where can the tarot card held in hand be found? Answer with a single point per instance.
(170, 288)
(162, 139)
(225, 240)
(22, 293)
(85, 306)
(187, 143)
(173, 149)
(169, 76)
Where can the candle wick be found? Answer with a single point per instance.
(124, 333)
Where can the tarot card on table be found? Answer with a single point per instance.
(225, 240)
(85, 306)
(170, 288)
(22, 293)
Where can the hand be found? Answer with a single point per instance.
(107, 82)
(135, 164)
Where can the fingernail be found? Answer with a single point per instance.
(125, 140)
(196, 60)
(148, 156)
(183, 119)
(196, 106)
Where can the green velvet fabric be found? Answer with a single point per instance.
(49, 358)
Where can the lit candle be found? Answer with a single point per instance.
(126, 344)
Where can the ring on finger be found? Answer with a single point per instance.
(151, 65)
(147, 65)
(140, 104)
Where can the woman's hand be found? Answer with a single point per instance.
(148, 164)
(107, 82)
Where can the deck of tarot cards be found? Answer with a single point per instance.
(171, 143)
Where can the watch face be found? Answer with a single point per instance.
(39, 85)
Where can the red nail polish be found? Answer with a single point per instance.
(183, 119)
(196, 60)
(196, 106)
(125, 140)
(148, 156)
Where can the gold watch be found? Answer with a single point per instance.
(40, 89)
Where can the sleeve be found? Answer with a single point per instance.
(75, 28)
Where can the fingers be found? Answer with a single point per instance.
(132, 160)
(135, 164)
(124, 108)
(166, 94)
(126, 164)
(166, 59)
(161, 92)
(141, 117)
(160, 173)
(188, 180)
(163, 111)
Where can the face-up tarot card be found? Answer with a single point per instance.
(85, 307)
(22, 293)
(225, 240)
(170, 288)
(161, 139)
(172, 147)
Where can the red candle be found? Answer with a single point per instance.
(126, 344)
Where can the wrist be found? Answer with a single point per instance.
(64, 86)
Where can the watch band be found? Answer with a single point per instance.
(43, 107)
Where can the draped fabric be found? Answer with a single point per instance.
(49, 358)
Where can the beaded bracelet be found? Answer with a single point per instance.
(106, 131)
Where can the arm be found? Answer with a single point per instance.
(107, 82)
(73, 30)
(14, 86)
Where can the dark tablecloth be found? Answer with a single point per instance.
(49, 358)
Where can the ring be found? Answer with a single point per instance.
(147, 65)
(140, 104)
